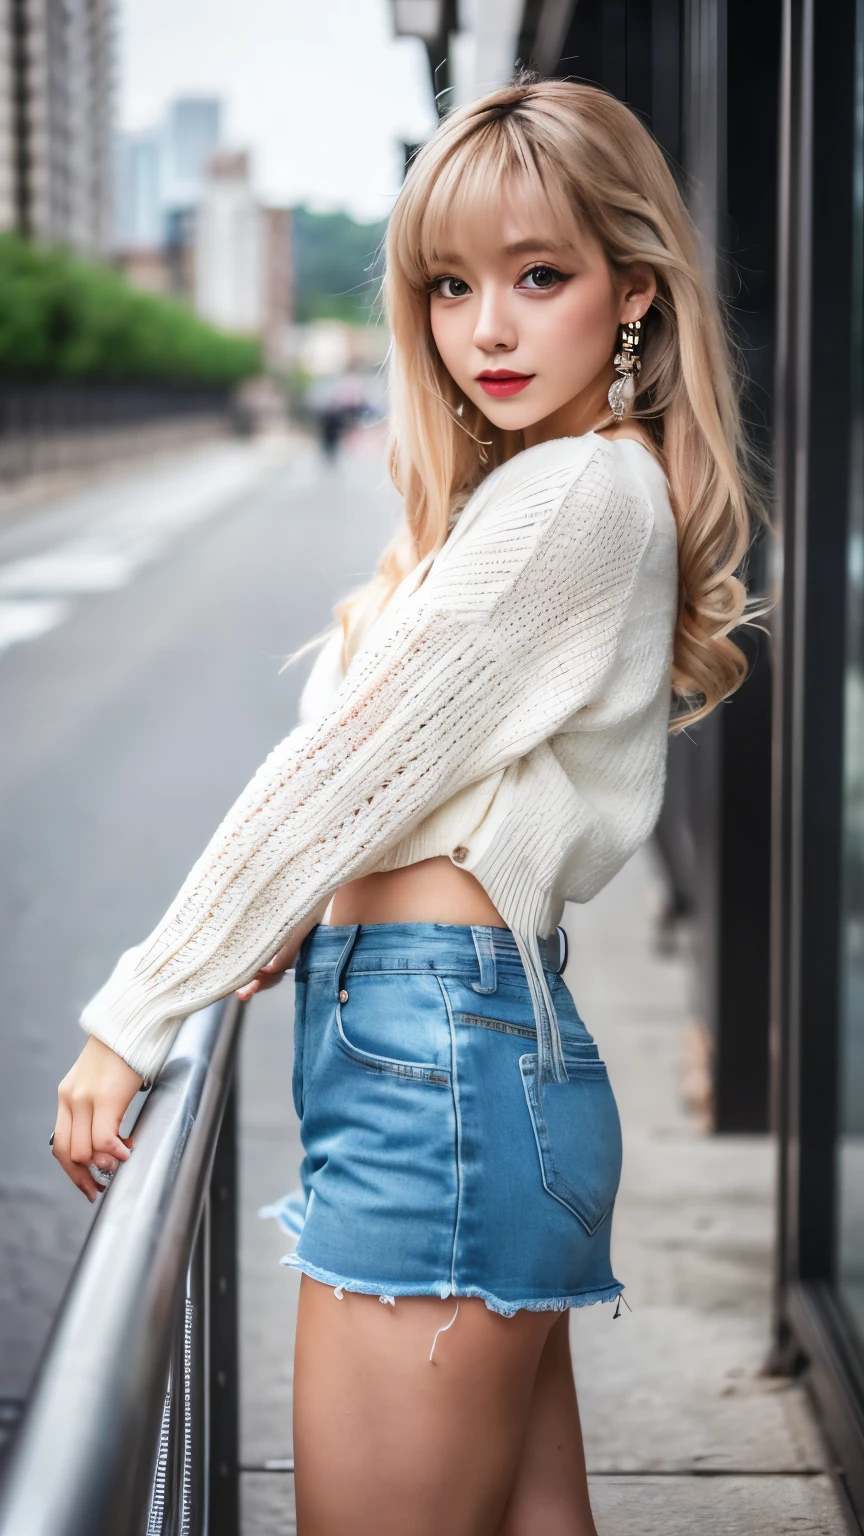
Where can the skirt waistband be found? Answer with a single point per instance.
(444, 947)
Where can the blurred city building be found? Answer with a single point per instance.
(177, 253)
(191, 135)
(57, 121)
(139, 215)
(229, 248)
(189, 222)
(242, 261)
(160, 175)
(277, 283)
(325, 348)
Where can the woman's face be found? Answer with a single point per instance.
(527, 323)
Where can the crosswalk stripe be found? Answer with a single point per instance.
(28, 620)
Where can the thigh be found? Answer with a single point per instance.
(549, 1496)
(388, 1442)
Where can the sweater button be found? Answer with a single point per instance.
(343, 996)
(459, 854)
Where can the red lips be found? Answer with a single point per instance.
(503, 381)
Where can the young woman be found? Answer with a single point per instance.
(567, 445)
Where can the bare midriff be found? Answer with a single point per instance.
(433, 891)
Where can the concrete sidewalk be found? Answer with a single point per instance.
(683, 1432)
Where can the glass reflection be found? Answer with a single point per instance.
(850, 1166)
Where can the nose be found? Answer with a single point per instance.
(495, 330)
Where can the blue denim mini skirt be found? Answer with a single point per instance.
(435, 1163)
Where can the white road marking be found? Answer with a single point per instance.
(153, 514)
(28, 620)
(71, 569)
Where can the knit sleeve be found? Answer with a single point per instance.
(511, 632)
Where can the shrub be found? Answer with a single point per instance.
(64, 318)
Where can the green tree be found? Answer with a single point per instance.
(64, 318)
(337, 266)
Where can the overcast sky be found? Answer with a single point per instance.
(319, 90)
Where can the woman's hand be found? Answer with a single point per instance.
(273, 971)
(91, 1102)
(283, 960)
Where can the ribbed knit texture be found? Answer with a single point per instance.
(510, 703)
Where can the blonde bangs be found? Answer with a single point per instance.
(451, 210)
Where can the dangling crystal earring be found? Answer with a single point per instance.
(628, 362)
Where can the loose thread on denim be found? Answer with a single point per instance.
(390, 1300)
(339, 1293)
(617, 1312)
(444, 1330)
(495, 1304)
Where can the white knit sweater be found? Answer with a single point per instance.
(508, 708)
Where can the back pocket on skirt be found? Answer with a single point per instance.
(578, 1136)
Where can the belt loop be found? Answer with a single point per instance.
(563, 951)
(344, 957)
(485, 949)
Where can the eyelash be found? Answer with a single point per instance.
(543, 266)
(539, 266)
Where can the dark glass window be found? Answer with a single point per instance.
(850, 1151)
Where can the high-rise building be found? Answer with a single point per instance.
(229, 247)
(188, 221)
(191, 136)
(139, 219)
(160, 177)
(56, 120)
(161, 171)
(8, 178)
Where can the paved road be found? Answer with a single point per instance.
(141, 625)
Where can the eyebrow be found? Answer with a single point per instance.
(520, 248)
(524, 247)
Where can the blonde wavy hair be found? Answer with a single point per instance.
(583, 156)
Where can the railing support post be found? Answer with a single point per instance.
(178, 1501)
(194, 1522)
(224, 1365)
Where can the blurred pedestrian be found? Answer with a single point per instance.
(331, 424)
(566, 441)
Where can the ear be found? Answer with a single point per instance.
(638, 289)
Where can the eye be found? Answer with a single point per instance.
(450, 287)
(540, 278)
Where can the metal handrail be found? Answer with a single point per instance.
(131, 1426)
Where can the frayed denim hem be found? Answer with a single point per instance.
(389, 1294)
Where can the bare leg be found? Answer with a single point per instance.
(387, 1443)
(550, 1495)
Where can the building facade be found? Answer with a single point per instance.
(56, 121)
(190, 136)
(229, 247)
(760, 111)
(160, 177)
(139, 216)
(243, 270)
(818, 848)
(189, 222)
(278, 298)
